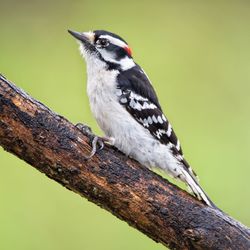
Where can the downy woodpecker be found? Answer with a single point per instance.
(127, 109)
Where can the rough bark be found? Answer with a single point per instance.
(122, 186)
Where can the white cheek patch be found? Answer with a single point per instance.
(125, 63)
(107, 55)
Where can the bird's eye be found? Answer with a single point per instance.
(102, 42)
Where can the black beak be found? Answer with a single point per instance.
(79, 36)
(87, 39)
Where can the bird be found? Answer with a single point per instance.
(126, 108)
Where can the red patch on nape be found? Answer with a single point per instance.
(128, 50)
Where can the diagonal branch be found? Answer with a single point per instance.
(128, 190)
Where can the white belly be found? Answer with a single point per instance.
(130, 137)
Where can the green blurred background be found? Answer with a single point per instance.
(198, 58)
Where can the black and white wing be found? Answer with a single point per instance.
(137, 95)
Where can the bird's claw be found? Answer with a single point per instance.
(96, 141)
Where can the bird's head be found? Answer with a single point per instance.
(105, 46)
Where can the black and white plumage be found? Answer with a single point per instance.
(143, 105)
(127, 109)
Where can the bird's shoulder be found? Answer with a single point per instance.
(136, 80)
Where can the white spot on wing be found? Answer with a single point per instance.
(158, 135)
(150, 121)
(154, 119)
(148, 106)
(138, 97)
(178, 145)
(135, 105)
(169, 131)
(145, 123)
(123, 100)
(160, 120)
(160, 132)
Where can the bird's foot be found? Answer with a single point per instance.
(97, 142)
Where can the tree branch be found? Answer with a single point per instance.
(122, 186)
